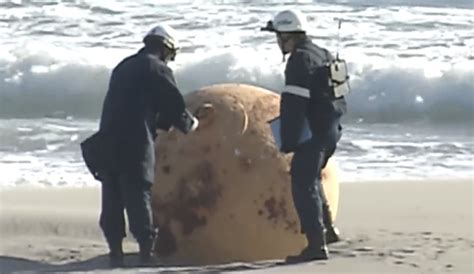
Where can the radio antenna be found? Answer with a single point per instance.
(338, 36)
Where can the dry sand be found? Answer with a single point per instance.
(389, 227)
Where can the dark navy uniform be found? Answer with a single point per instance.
(305, 97)
(141, 88)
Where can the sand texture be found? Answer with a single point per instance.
(389, 227)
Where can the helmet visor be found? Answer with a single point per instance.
(269, 27)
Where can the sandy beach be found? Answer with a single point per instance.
(388, 227)
(405, 158)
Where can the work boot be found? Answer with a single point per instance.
(116, 255)
(146, 255)
(316, 250)
(332, 235)
(332, 232)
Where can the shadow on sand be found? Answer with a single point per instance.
(100, 263)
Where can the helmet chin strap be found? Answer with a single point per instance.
(283, 43)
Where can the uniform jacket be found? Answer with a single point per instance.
(142, 96)
(304, 98)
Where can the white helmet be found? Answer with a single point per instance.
(287, 21)
(167, 33)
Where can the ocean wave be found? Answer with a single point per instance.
(42, 85)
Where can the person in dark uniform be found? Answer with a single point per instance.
(142, 97)
(305, 103)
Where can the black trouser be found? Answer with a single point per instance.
(130, 193)
(308, 196)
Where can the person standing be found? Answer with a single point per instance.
(305, 102)
(142, 97)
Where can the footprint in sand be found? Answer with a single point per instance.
(426, 235)
(406, 250)
(336, 252)
(437, 239)
(364, 249)
(440, 251)
(349, 254)
(343, 244)
(397, 255)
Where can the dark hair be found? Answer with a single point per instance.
(154, 43)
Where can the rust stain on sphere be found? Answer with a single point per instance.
(223, 193)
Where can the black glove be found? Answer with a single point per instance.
(186, 122)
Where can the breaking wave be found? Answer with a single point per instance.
(41, 85)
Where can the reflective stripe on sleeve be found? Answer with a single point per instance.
(296, 90)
